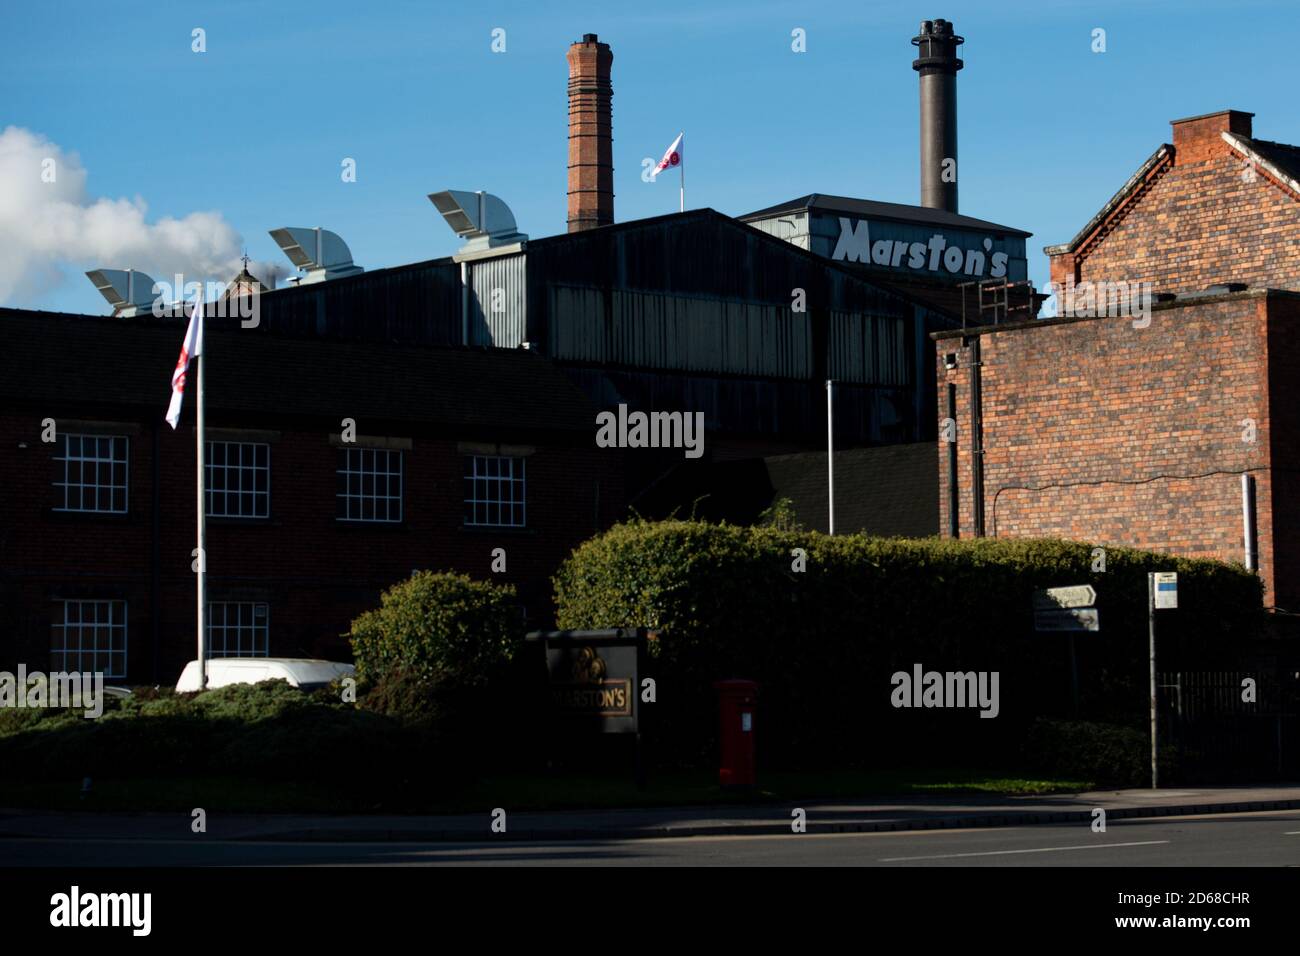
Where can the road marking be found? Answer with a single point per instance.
(1042, 849)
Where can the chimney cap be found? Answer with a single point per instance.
(590, 38)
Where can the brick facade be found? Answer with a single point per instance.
(1098, 431)
(314, 572)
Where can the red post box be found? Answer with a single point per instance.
(736, 705)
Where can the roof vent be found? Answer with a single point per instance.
(321, 254)
(479, 217)
(128, 291)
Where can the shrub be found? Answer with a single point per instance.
(1107, 754)
(426, 654)
(441, 627)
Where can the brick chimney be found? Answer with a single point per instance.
(1197, 138)
(591, 144)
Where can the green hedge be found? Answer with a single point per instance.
(1108, 754)
(268, 730)
(824, 642)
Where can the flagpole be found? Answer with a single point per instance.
(682, 205)
(830, 456)
(201, 449)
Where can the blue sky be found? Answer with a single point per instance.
(255, 129)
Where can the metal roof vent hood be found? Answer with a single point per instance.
(318, 252)
(483, 219)
(128, 291)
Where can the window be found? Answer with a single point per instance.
(238, 479)
(237, 629)
(494, 491)
(90, 473)
(370, 484)
(89, 636)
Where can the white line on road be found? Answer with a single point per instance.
(1041, 849)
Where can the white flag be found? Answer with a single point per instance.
(190, 348)
(672, 159)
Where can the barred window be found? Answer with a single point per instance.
(494, 491)
(90, 473)
(238, 479)
(89, 636)
(238, 629)
(369, 485)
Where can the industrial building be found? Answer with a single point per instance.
(474, 382)
(1173, 427)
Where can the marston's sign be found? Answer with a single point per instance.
(594, 677)
(934, 255)
(589, 693)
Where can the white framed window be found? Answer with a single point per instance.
(369, 485)
(238, 629)
(238, 479)
(89, 636)
(91, 473)
(494, 491)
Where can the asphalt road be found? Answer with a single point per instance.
(1270, 838)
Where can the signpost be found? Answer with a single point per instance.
(594, 682)
(1068, 609)
(1079, 595)
(1162, 594)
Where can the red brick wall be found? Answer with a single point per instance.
(1201, 222)
(315, 573)
(1093, 429)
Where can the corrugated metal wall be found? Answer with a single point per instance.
(868, 349)
(418, 303)
(498, 301)
(666, 331)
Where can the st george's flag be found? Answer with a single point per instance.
(673, 158)
(191, 348)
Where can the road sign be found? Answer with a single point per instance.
(1067, 619)
(1166, 592)
(1079, 595)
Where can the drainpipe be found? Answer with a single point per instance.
(464, 303)
(976, 438)
(1248, 527)
(954, 498)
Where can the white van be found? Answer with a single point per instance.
(300, 672)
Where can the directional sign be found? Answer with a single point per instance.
(1067, 619)
(1080, 595)
(1166, 590)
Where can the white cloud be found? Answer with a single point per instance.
(51, 229)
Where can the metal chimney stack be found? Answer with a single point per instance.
(938, 65)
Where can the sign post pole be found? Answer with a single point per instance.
(1151, 629)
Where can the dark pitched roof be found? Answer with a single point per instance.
(78, 359)
(897, 212)
(1285, 158)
